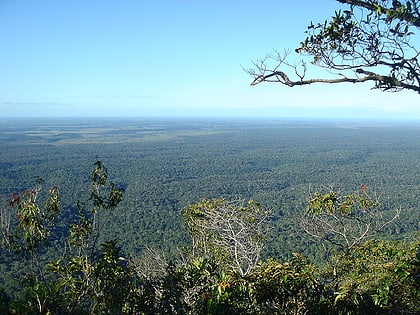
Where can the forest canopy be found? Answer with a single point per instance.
(121, 237)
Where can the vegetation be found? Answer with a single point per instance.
(97, 252)
(344, 221)
(368, 41)
(78, 251)
(232, 232)
(165, 166)
(92, 279)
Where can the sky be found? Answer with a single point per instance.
(168, 58)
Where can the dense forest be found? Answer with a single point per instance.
(163, 166)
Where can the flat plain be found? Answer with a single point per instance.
(166, 164)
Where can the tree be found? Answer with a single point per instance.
(85, 277)
(344, 221)
(223, 276)
(231, 231)
(27, 235)
(369, 41)
(363, 274)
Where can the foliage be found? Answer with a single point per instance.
(270, 161)
(286, 288)
(369, 41)
(34, 223)
(33, 229)
(80, 275)
(233, 232)
(96, 281)
(377, 276)
(344, 221)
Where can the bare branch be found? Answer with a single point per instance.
(233, 231)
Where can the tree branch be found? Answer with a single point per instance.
(354, 48)
(404, 16)
(384, 81)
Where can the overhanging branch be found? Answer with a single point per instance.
(404, 16)
(383, 82)
(353, 48)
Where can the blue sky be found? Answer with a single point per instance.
(167, 58)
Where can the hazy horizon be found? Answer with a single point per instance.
(169, 58)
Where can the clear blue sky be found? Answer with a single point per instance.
(167, 58)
